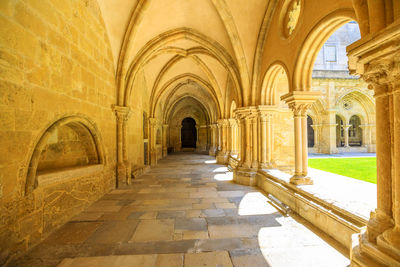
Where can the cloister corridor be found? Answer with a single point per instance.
(186, 211)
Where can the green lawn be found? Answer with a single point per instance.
(359, 168)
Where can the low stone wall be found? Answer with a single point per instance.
(334, 221)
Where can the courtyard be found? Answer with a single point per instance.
(361, 166)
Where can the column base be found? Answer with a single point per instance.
(245, 176)
(123, 174)
(165, 152)
(377, 224)
(366, 253)
(389, 242)
(301, 180)
(221, 157)
(212, 151)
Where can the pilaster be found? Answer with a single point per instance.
(123, 166)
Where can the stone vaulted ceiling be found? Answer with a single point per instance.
(212, 42)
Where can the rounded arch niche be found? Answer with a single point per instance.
(69, 143)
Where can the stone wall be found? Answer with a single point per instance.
(55, 61)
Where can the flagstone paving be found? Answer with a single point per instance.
(178, 214)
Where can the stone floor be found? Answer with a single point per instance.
(185, 212)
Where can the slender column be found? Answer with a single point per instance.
(248, 142)
(304, 141)
(153, 149)
(254, 127)
(228, 137)
(219, 136)
(164, 141)
(297, 143)
(123, 166)
(300, 102)
(346, 135)
(269, 141)
(263, 120)
(240, 139)
(222, 152)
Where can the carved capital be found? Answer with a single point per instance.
(123, 113)
(300, 109)
(152, 122)
(377, 60)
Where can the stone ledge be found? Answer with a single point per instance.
(60, 175)
(340, 224)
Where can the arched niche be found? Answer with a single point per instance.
(66, 145)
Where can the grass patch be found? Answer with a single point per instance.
(359, 168)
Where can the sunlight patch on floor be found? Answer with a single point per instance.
(255, 203)
(293, 244)
(212, 161)
(228, 176)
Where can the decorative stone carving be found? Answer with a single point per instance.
(293, 15)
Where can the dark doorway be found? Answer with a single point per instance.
(188, 133)
(310, 132)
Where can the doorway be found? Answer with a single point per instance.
(188, 133)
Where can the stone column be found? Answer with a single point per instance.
(234, 128)
(245, 173)
(346, 135)
(228, 138)
(300, 102)
(152, 141)
(164, 140)
(378, 61)
(263, 120)
(123, 166)
(219, 128)
(254, 127)
(240, 151)
(265, 114)
(213, 147)
(222, 152)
